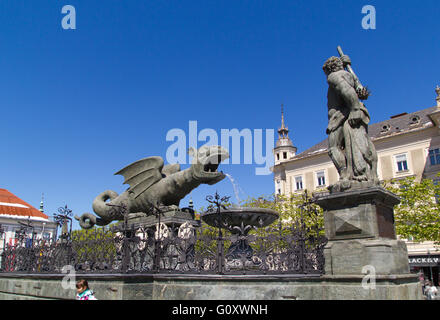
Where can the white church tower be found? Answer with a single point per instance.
(284, 150)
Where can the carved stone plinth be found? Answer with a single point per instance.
(359, 225)
(170, 218)
(361, 213)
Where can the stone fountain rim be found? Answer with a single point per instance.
(244, 210)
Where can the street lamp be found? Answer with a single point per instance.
(62, 219)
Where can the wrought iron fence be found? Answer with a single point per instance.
(174, 249)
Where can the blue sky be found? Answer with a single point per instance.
(78, 105)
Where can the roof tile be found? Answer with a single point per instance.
(29, 211)
(398, 125)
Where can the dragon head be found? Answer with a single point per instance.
(205, 163)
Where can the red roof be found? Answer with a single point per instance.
(13, 205)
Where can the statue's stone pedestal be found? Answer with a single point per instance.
(359, 225)
(360, 228)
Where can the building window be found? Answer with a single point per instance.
(434, 156)
(285, 155)
(299, 183)
(278, 156)
(402, 163)
(28, 243)
(321, 178)
(278, 182)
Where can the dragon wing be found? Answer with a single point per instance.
(142, 174)
(170, 169)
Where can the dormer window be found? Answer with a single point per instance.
(385, 128)
(415, 119)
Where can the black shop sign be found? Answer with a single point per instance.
(424, 261)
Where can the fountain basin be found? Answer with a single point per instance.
(240, 217)
(239, 221)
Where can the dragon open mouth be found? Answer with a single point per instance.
(212, 167)
(208, 161)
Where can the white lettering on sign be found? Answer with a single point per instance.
(434, 260)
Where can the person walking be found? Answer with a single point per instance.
(83, 291)
(431, 291)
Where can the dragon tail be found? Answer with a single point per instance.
(100, 207)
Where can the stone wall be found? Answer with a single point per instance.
(197, 287)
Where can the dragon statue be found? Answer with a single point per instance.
(153, 185)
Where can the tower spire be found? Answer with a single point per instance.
(42, 203)
(284, 148)
(282, 115)
(283, 131)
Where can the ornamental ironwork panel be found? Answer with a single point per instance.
(277, 249)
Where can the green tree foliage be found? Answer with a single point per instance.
(95, 233)
(97, 244)
(417, 217)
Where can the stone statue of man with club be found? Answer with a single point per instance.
(350, 147)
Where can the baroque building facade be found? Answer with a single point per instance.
(18, 216)
(407, 144)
